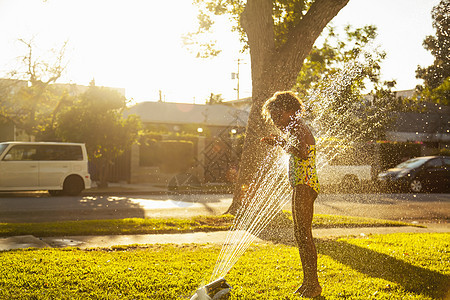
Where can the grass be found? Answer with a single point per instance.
(394, 266)
(157, 226)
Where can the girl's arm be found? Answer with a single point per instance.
(296, 146)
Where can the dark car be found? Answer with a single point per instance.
(420, 174)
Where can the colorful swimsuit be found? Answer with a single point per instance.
(303, 171)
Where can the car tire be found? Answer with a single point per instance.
(416, 186)
(73, 186)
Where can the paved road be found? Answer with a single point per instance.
(39, 207)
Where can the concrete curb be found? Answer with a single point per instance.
(218, 237)
(21, 242)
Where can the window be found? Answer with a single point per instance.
(447, 162)
(21, 152)
(3, 147)
(412, 163)
(59, 152)
(44, 153)
(434, 163)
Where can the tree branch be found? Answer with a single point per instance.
(301, 38)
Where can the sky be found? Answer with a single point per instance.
(137, 44)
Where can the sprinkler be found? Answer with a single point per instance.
(216, 290)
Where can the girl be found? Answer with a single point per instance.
(283, 110)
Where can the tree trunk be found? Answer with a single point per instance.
(274, 69)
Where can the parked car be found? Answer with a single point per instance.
(60, 168)
(427, 173)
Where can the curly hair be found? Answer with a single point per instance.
(280, 102)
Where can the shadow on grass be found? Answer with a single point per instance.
(36, 209)
(412, 278)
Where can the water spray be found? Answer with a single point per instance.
(215, 290)
(269, 190)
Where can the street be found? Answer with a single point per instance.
(40, 207)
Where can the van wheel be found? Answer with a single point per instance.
(73, 185)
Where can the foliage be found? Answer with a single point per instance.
(440, 94)
(279, 34)
(96, 119)
(214, 99)
(27, 98)
(30, 100)
(395, 266)
(436, 87)
(199, 42)
(443, 151)
(172, 225)
(328, 57)
(286, 15)
(336, 74)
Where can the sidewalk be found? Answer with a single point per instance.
(147, 188)
(84, 242)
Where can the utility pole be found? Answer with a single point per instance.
(237, 88)
(236, 76)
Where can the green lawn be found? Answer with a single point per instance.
(394, 266)
(155, 226)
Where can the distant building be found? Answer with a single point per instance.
(215, 117)
(216, 150)
(242, 104)
(430, 127)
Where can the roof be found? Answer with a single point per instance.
(40, 143)
(183, 113)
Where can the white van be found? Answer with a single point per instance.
(60, 168)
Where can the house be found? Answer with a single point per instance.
(242, 104)
(215, 127)
(430, 127)
(216, 117)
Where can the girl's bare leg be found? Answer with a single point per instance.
(302, 212)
